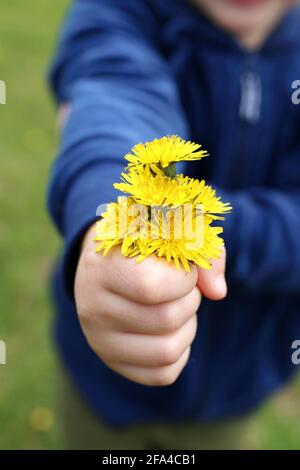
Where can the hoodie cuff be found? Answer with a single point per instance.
(82, 208)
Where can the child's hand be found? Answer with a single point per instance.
(140, 319)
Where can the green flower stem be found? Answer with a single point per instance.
(170, 170)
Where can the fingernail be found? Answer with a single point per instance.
(221, 285)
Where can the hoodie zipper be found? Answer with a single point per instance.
(250, 103)
(249, 117)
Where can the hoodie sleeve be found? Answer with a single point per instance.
(120, 92)
(262, 237)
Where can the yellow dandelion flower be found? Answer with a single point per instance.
(121, 224)
(207, 196)
(159, 190)
(198, 249)
(154, 189)
(166, 234)
(165, 215)
(164, 151)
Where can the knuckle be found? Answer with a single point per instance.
(86, 316)
(82, 306)
(164, 376)
(191, 330)
(168, 353)
(191, 304)
(196, 299)
(91, 269)
(194, 328)
(147, 288)
(168, 318)
(89, 258)
(90, 316)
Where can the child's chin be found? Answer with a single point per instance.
(238, 23)
(237, 15)
(246, 4)
(236, 19)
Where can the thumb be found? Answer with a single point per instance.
(212, 284)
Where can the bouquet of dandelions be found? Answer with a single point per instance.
(164, 214)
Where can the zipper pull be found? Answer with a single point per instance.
(251, 94)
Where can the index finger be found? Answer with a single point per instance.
(152, 281)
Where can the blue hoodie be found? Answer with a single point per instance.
(136, 70)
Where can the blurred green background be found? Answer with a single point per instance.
(28, 244)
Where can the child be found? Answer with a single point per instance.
(141, 374)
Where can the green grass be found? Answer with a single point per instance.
(28, 243)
